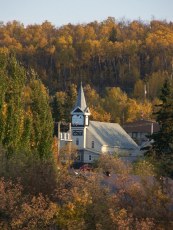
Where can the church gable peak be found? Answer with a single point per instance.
(77, 110)
(87, 110)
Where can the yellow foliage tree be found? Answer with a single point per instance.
(138, 110)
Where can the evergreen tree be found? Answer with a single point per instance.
(58, 106)
(113, 35)
(162, 147)
(163, 140)
(70, 101)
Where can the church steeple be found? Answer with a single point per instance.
(80, 119)
(80, 113)
(81, 102)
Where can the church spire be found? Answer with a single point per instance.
(81, 102)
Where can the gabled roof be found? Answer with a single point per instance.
(142, 126)
(111, 134)
(77, 110)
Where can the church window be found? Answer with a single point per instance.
(77, 141)
(92, 144)
(89, 157)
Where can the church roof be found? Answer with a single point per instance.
(111, 134)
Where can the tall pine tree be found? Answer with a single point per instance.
(163, 140)
(58, 106)
(70, 101)
(162, 147)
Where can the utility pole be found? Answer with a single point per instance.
(59, 137)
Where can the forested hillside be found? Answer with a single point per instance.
(102, 54)
(117, 62)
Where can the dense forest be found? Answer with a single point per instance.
(103, 54)
(124, 63)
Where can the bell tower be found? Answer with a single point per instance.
(80, 120)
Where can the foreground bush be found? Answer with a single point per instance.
(35, 195)
(36, 175)
(18, 211)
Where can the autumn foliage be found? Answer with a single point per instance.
(83, 200)
(117, 62)
(132, 57)
(103, 54)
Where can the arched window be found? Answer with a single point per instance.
(92, 144)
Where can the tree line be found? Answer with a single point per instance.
(111, 53)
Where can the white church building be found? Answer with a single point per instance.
(93, 138)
